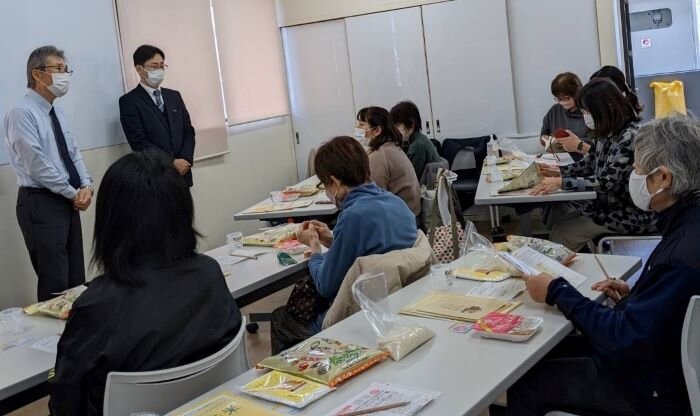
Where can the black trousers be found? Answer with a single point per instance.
(53, 236)
(566, 380)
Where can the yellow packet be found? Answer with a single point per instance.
(58, 307)
(227, 404)
(279, 387)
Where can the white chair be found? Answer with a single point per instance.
(690, 352)
(164, 390)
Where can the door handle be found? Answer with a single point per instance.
(297, 136)
(427, 127)
(438, 125)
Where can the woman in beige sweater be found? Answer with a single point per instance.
(389, 166)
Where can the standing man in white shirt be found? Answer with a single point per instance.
(54, 184)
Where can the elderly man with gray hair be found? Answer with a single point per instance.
(627, 359)
(54, 184)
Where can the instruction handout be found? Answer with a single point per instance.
(379, 395)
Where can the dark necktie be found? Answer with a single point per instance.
(159, 100)
(73, 176)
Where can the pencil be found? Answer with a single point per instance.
(376, 409)
(607, 276)
(243, 256)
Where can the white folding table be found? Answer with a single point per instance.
(486, 192)
(319, 207)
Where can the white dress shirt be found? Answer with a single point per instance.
(32, 149)
(150, 90)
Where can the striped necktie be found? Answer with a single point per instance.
(159, 100)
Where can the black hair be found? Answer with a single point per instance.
(379, 117)
(145, 52)
(610, 110)
(615, 75)
(144, 214)
(406, 113)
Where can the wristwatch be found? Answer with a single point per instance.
(580, 146)
(90, 188)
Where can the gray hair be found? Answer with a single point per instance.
(37, 59)
(673, 142)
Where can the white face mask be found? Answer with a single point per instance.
(640, 192)
(588, 119)
(359, 133)
(156, 76)
(60, 85)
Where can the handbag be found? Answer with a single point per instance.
(305, 303)
(446, 239)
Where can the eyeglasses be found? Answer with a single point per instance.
(561, 99)
(154, 67)
(61, 69)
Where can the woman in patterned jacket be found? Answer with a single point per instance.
(614, 123)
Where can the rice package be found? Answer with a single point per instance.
(279, 387)
(550, 249)
(324, 360)
(58, 307)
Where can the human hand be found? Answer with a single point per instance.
(324, 233)
(547, 186)
(614, 289)
(537, 286)
(82, 199)
(569, 143)
(314, 241)
(549, 171)
(182, 166)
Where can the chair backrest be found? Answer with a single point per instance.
(464, 159)
(690, 352)
(311, 162)
(430, 173)
(164, 390)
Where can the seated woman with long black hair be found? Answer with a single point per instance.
(158, 304)
(614, 124)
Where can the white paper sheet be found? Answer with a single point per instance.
(48, 344)
(240, 255)
(382, 394)
(543, 263)
(507, 289)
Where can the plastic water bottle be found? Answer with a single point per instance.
(492, 147)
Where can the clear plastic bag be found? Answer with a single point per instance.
(511, 150)
(480, 260)
(396, 335)
(550, 249)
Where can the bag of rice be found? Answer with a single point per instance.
(58, 307)
(324, 360)
(279, 387)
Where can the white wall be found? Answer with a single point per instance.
(261, 159)
(297, 12)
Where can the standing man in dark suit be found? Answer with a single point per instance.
(152, 116)
(54, 184)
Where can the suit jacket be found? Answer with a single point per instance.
(146, 126)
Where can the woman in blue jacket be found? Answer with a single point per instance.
(371, 221)
(632, 362)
